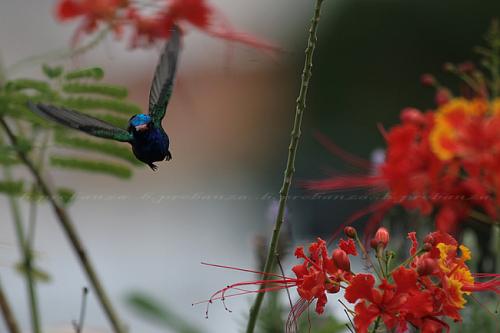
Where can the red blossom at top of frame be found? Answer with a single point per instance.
(152, 27)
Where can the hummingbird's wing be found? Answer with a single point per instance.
(163, 80)
(81, 121)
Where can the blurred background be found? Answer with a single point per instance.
(229, 122)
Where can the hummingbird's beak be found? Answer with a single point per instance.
(141, 128)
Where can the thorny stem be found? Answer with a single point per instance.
(27, 254)
(8, 315)
(70, 231)
(290, 166)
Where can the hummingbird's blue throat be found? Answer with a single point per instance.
(140, 119)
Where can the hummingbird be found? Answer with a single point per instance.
(149, 141)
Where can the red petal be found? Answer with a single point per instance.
(360, 288)
(68, 9)
(405, 279)
(365, 315)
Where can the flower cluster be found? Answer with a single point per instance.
(151, 20)
(320, 274)
(423, 292)
(445, 161)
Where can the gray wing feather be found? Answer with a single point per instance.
(163, 80)
(81, 122)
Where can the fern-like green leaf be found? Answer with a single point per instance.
(66, 195)
(52, 72)
(95, 73)
(39, 274)
(22, 112)
(95, 88)
(8, 156)
(101, 146)
(14, 188)
(81, 103)
(22, 84)
(112, 169)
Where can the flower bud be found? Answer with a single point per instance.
(341, 260)
(412, 115)
(427, 80)
(350, 232)
(443, 96)
(426, 266)
(382, 237)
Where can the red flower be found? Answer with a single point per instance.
(93, 12)
(196, 12)
(445, 163)
(320, 273)
(405, 297)
(396, 304)
(155, 26)
(348, 246)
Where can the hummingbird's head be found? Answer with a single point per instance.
(140, 122)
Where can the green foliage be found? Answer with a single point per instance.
(151, 309)
(27, 84)
(52, 72)
(13, 188)
(108, 168)
(72, 90)
(95, 73)
(7, 156)
(102, 146)
(39, 274)
(86, 103)
(66, 195)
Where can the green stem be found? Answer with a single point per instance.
(483, 217)
(69, 229)
(27, 254)
(408, 260)
(366, 256)
(8, 315)
(290, 166)
(377, 323)
(379, 254)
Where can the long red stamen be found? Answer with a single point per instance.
(337, 151)
(221, 294)
(243, 270)
(298, 308)
(491, 285)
